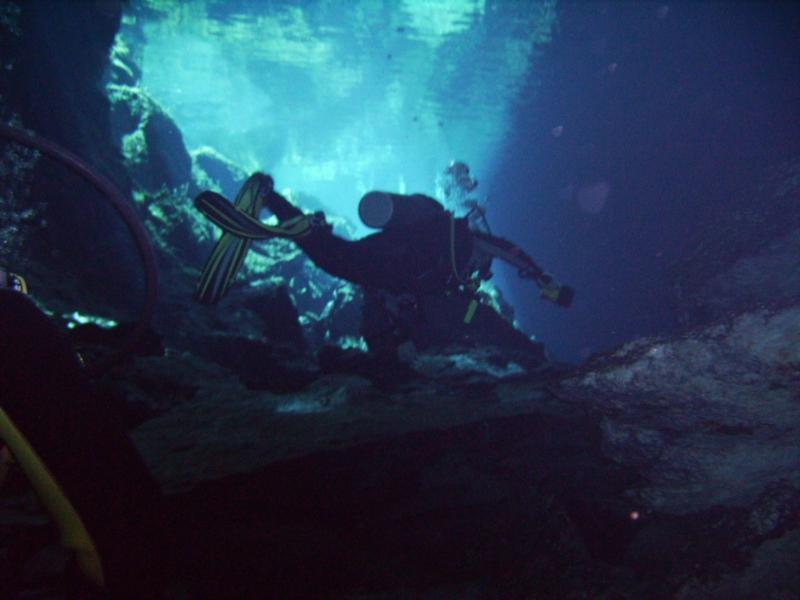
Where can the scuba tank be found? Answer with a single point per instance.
(381, 210)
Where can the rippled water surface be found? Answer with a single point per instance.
(336, 98)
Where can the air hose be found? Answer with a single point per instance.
(129, 216)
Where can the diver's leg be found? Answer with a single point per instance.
(368, 262)
(372, 261)
(280, 206)
(378, 327)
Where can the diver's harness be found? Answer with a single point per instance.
(498, 248)
(471, 283)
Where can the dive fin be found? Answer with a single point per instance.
(230, 219)
(234, 220)
(240, 225)
(228, 255)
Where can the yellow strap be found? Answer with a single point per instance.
(453, 249)
(473, 306)
(471, 284)
(73, 532)
(19, 283)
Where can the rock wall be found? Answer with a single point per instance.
(59, 51)
(751, 259)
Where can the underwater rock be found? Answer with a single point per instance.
(277, 311)
(771, 573)
(151, 143)
(180, 235)
(123, 69)
(340, 320)
(259, 363)
(54, 90)
(470, 365)
(212, 171)
(751, 259)
(334, 411)
(695, 435)
(107, 339)
(710, 418)
(442, 324)
(154, 385)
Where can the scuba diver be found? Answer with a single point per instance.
(456, 180)
(74, 452)
(421, 254)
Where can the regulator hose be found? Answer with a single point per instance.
(129, 216)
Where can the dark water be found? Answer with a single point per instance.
(676, 107)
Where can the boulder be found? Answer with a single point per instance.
(151, 143)
(710, 418)
(212, 171)
(750, 258)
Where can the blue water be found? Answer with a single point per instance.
(336, 99)
(608, 137)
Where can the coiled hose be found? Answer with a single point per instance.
(129, 216)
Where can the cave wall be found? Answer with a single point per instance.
(81, 253)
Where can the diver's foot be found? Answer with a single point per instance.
(265, 180)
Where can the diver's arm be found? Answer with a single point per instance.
(526, 267)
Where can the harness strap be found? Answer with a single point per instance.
(74, 534)
(471, 285)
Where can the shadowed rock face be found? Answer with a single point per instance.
(750, 259)
(710, 418)
(666, 465)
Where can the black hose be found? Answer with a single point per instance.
(129, 216)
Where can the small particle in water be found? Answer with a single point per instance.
(389, 57)
(592, 198)
(557, 130)
(441, 124)
(612, 68)
(634, 516)
(400, 29)
(662, 11)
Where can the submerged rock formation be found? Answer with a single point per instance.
(751, 258)
(710, 418)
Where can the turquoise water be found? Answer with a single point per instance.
(338, 98)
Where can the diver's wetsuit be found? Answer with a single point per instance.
(412, 261)
(405, 259)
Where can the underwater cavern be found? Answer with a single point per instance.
(377, 299)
